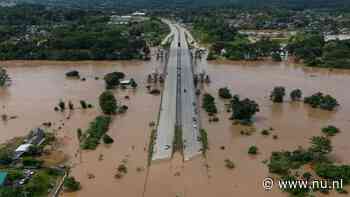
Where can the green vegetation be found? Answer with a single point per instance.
(122, 170)
(225, 93)
(4, 77)
(151, 145)
(330, 130)
(71, 185)
(31, 162)
(296, 95)
(178, 143)
(317, 155)
(112, 80)
(91, 138)
(265, 132)
(227, 42)
(243, 110)
(333, 172)
(253, 150)
(108, 103)
(277, 94)
(39, 185)
(204, 140)
(314, 51)
(229, 164)
(107, 139)
(208, 103)
(35, 32)
(73, 73)
(133, 83)
(319, 100)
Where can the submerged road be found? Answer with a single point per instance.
(179, 103)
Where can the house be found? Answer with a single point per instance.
(120, 20)
(35, 138)
(21, 150)
(139, 14)
(3, 178)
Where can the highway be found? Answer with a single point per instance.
(189, 107)
(163, 147)
(179, 102)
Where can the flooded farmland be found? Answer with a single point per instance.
(39, 85)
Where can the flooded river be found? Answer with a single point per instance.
(39, 85)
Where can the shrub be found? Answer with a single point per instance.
(319, 100)
(333, 172)
(204, 140)
(62, 105)
(70, 184)
(225, 93)
(83, 104)
(265, 132)
(229, 164)
(70, 105)
(4, 77)
(277, 94)
(330, 130)
(73, 73)
(95, 132)
(31, 162)
(276, 57)
(123, 109)
(296, 95)
(133, 83)
(113, 79)
(108, 103)
(253, 150)
(5, 157)
(155, 92)
(208, 104)
(122, 169)
(107, 139)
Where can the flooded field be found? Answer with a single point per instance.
(38, 86)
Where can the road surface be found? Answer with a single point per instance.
(166, 126)
(189, 107)
(179, 103)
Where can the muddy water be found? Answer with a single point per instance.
(38, 86)
(294, 123)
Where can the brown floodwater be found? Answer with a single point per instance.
(38, 86)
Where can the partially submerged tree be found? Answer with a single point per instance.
(73, 73)
(244, 109)
(108, 103)
(320, 147)
(107, 139)
(112, 80)
(330, 130)
(319, 100)
(296, 95)
(4, 77)
(71, 185)
(225, 93)
(278, 94)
